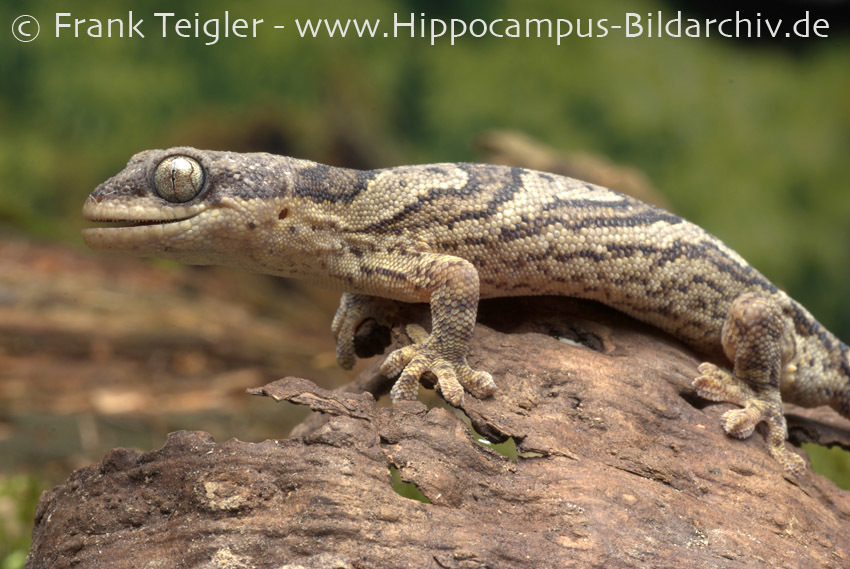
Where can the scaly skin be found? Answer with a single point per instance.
(450, 234)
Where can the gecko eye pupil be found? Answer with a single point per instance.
(178, 178)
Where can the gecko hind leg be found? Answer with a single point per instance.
(757, 340)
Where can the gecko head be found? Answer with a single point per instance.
(186, 204)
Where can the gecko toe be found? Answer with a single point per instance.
(479, 383)
(345, 352)
(454, 376)
(717, 384)
(397, 360)
(447, 381)
(406, 387)
(740, 423)
(792, 461)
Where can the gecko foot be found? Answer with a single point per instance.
(453, 376)
(353, 311)
(716, 384)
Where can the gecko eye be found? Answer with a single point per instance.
(178, 179)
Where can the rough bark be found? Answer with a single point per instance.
(619, 465)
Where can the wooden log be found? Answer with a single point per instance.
(618, 464)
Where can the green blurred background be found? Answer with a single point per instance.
(750, 139)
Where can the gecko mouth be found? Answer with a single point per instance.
(128, 223)
(122, 216)
(134, 235)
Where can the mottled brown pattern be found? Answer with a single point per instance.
(451, 233)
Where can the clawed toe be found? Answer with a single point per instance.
(740, 423)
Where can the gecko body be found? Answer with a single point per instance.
(452, 233)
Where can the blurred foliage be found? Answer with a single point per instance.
(832, 462)
(18, 496)
(749, 141)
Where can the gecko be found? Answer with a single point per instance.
(449, 234)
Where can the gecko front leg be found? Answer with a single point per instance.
(450, 285)
(757, 340)
(453, 283)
